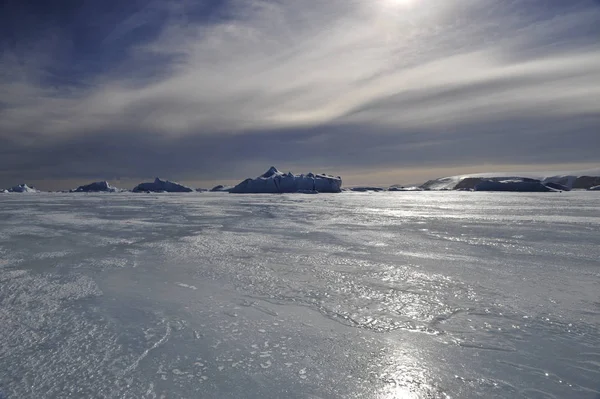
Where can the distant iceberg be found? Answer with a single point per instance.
(363, 189)
(518, 185)
(562, 181)
(220, 188)
(274, 181)
(23, 188)
(160, 186)
(99, 186)
(401, 188)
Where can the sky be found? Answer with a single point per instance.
(376, 91)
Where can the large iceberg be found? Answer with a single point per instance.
(562, 181)
(99, 186)
(274, 181)
(22, 188)
(159, 186)
(519, 185)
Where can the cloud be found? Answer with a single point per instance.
(358, 73)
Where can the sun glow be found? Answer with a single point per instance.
(401, 3)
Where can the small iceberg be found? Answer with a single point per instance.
(23, 188)
(161, 186)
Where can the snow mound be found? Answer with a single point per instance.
(274, 181)
(22, 188)
(99, 186)
(159, 186)
(556, 180)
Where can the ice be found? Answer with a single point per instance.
(99, 186)
(274, 181)
(159, 185)
(354, 295)
(22, 188)
(518, 185)
(581, 179)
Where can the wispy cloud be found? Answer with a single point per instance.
(287, 65)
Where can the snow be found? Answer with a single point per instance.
(274, 181)
(101, 186)
(419, 295)
(162, 186)
(22, 188)
(581, 179)
(3, 191)
(595, 188)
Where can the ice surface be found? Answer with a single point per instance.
(100, 186)
(274, 181)
(159, 185)
(352, 295)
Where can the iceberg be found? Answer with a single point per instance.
(362, 189)
(159, 186)
(220, 188)
(401, 188)
(23, 188)
(3, 191)
(519, 185)
(274, 181)
(562, 181)
(99, 186)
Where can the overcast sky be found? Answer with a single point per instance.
(377, 91)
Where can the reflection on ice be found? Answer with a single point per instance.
(419, 295)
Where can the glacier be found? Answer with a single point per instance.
(274, 181)
(162, 186)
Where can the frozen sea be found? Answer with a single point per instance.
(355, 295)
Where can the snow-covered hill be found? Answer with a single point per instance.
(274, 181)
